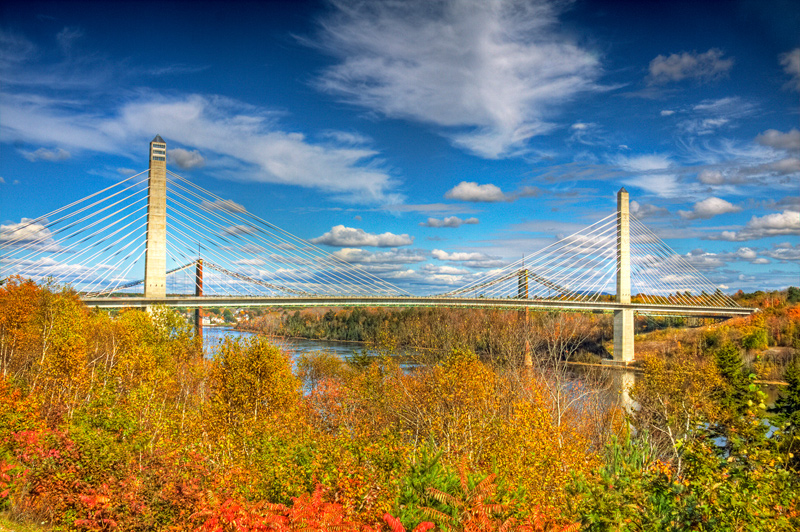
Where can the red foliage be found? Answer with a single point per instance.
(308, 513)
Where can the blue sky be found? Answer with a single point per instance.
(426, 140)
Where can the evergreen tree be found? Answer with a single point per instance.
(735, 392)
(793, 294)
(788, 404)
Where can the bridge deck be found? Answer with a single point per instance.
(452, 302)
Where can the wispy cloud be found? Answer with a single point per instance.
(43, 154)
(490, 73)
(93, 113)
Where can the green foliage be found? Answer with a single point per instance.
(426, 472)
(787, 406)
(755, 339)
(793, 294)
(734, 393)
(746, 489)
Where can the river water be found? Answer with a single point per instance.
(212, 336)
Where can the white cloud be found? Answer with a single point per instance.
(491, 73)
(489, 193)
(450, 221)
(244, 137)
(790, 61)
(790, 165)
(643, 163)
(784, 252)
(443, 270)
(43, 154)
(394, 256)
(711, 177)
(471, 260)
(644, 210)
(29, 234)
(708, 208)
(223, 205)
(239, 229)
(342, 236)
(689, 65)
(773, 138)
(667, 112)
(663, 185)
(185, 159)
(471, 191)
(776, 224)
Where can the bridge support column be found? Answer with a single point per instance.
(623, 319)
(155, 261)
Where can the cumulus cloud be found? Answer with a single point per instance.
(43, 154)
(689, 65)
(489, 73)
(644, 210)
(471, 191)
(708, 208)
(450, 221)
(489, 193)
(784, 252)
(789, 141)
(185, 159)
(29, 234)
(790, 61)
(775, 224)
(341, 236)
(706, 260)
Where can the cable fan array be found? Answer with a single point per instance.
(97, 245)
(583, 267)
(661, 276)
(580, 267)
(91, 244)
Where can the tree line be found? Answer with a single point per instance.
(119, 422)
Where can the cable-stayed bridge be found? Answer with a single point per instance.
(156, 238)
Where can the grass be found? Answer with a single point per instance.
(7, 525)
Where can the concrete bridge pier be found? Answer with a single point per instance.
(623, 319)
(155, 258)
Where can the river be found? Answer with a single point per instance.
(212, 336)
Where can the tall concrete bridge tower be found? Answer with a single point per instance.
(155, 262)
(623, 319)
